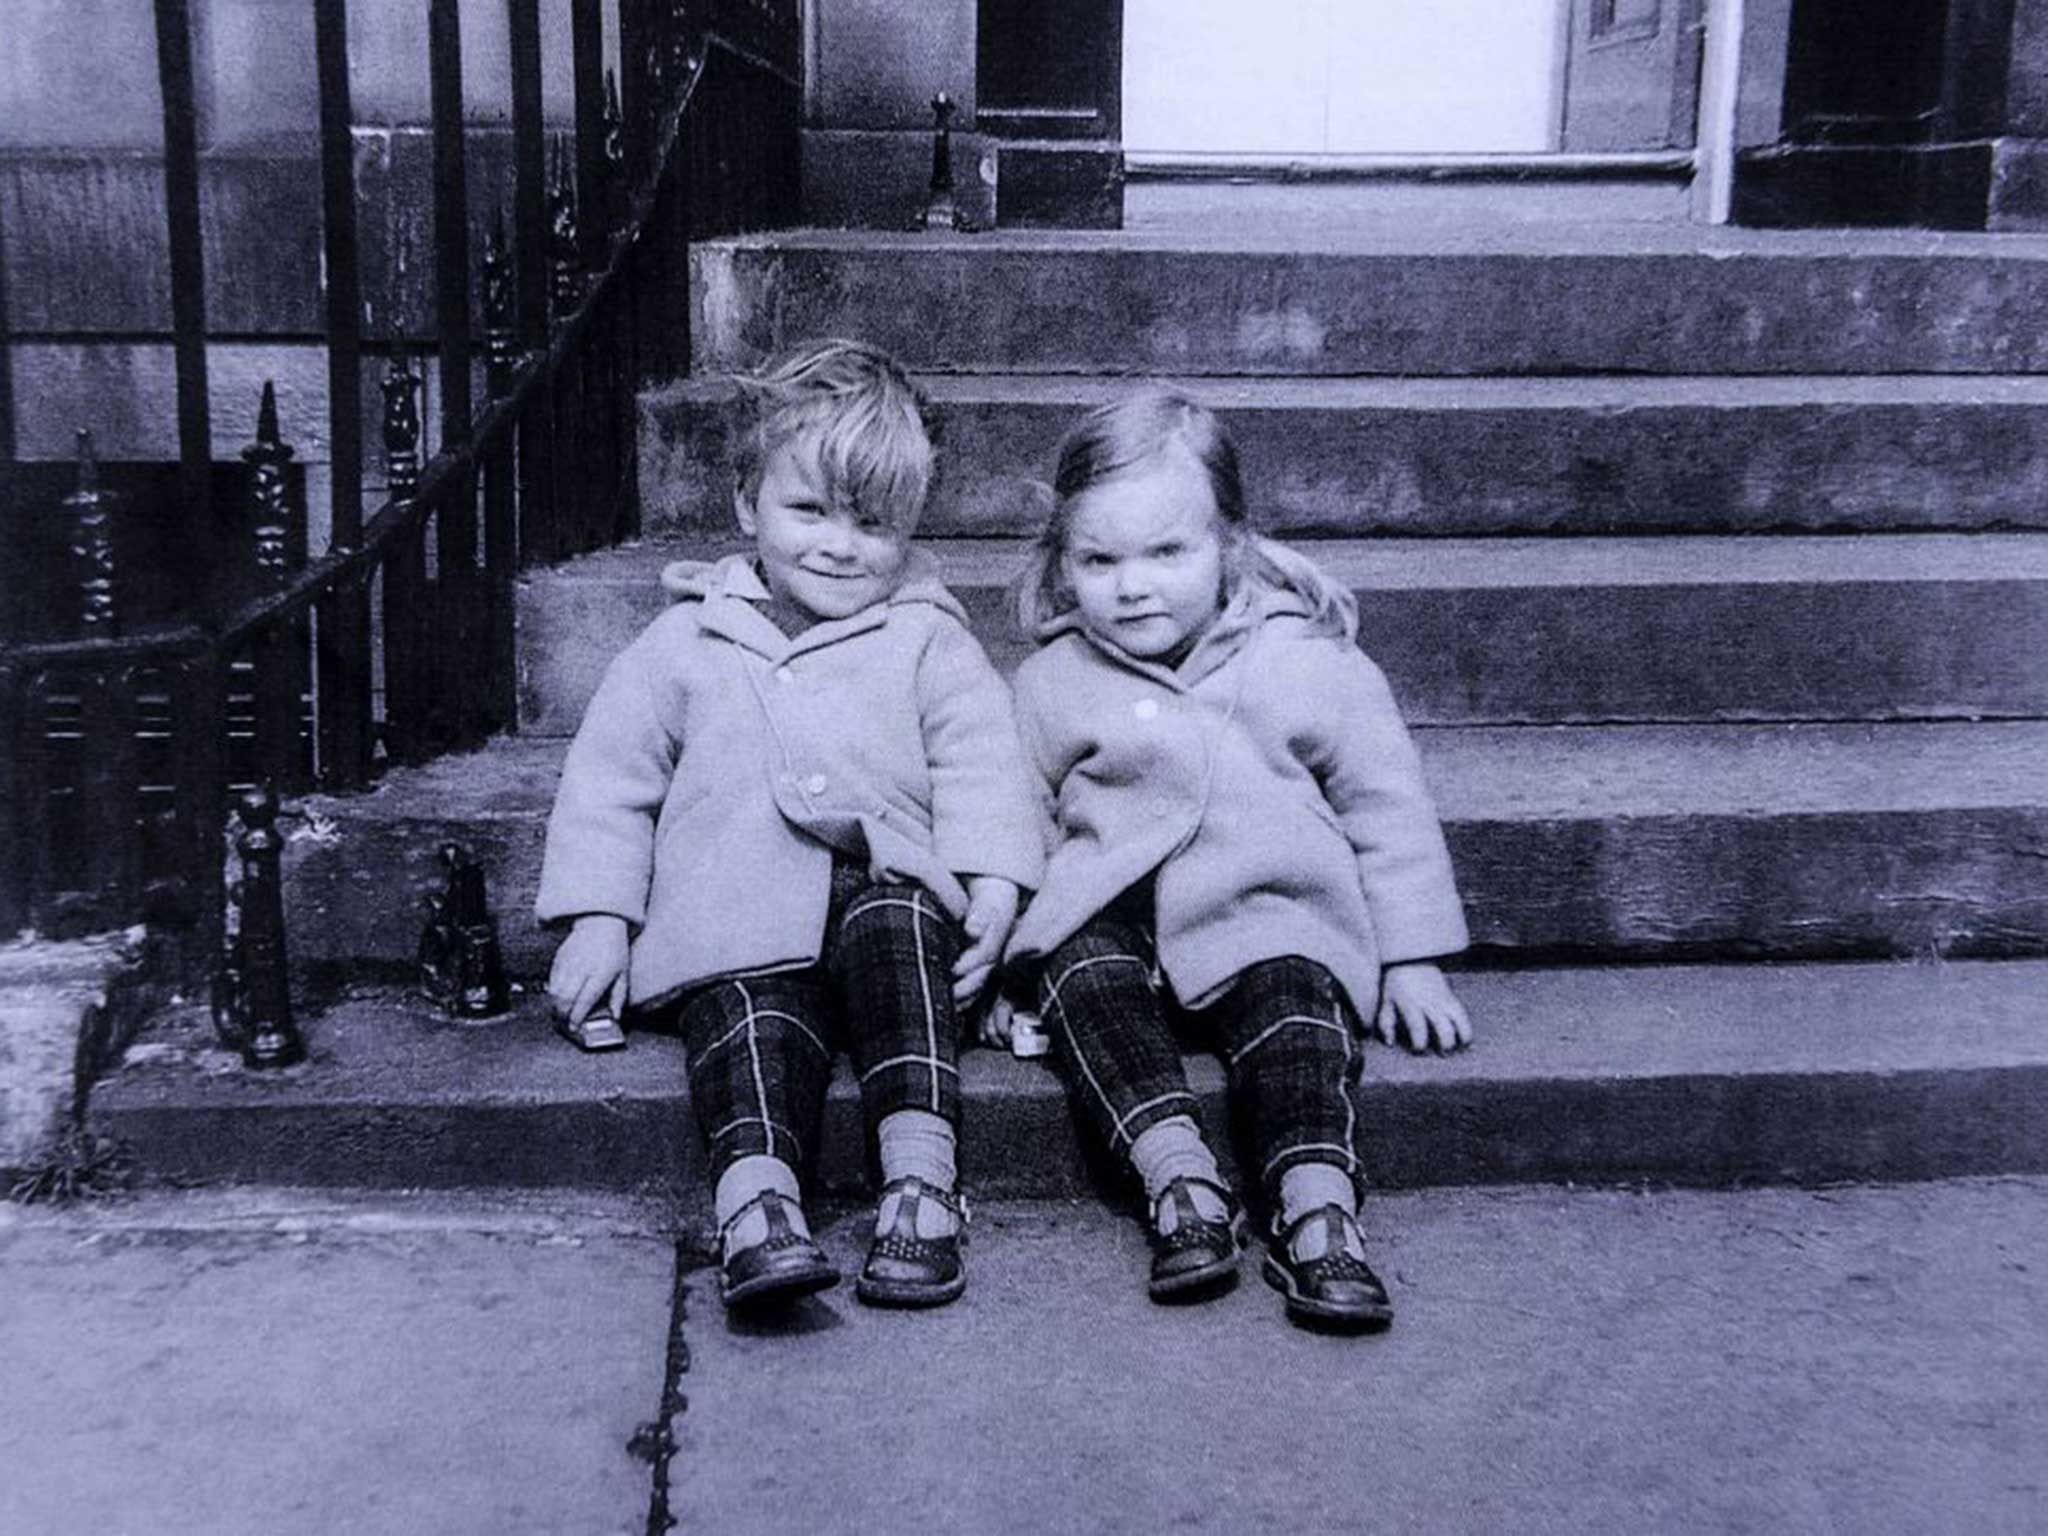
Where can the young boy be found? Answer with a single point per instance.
(796, 810)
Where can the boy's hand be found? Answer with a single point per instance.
(991, 914)
(590, 966)
(1417, 1002)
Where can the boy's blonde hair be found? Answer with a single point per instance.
(1129, 433)
(868, 424)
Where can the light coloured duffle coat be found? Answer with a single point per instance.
(1268, 780)
(720, 763)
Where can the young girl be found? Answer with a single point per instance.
(796, 812)
(1243, 840)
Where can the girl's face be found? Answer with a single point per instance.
(1144, 556)
(818, 552)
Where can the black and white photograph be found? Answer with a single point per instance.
(1023, 767)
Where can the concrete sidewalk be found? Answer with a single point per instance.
(1858, 1359)
(1870, 1360)
(228, 1364)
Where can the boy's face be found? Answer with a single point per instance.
(818, 552)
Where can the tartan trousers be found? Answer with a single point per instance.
(1286, 1032)
(761, 1046)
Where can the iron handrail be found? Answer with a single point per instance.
(445, 474)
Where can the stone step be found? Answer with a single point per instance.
(1685, 1075)
(1608, 455)
(1527, 300)
(1792, 841)
(1534, 631)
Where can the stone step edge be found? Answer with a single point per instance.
(1594, 393)
(1474, 241)
(1476, 773)
(1515, 562)
(1703, 1075)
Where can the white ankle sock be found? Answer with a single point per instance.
(1307, 1187)
(742, 1180)
(1174, 1149)
(917, 1143)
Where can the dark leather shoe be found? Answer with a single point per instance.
(1198, 1255)
(1335, 1289)
(781, 1267)
(905, 1270)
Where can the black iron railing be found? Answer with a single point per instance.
(118, 752)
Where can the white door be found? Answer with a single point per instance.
(1400, 77)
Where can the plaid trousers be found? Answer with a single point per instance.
(1284, 1028)
(761, 1046)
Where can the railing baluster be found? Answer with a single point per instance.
(17, 821)
(586, 43)
(277, 655)
(405, 574)
(188, 278)
(501, 556)
(199, 793)
(8, 447)
(344, 272)
(343, 621)
(636, 75)
(570, 507)
(539, 539)
(451, 218)
(529, 169)
(446, 621)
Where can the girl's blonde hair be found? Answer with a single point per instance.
(1125, 435)
(867, 422)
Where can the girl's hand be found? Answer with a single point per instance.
(995, 1023)
(1417, 1002)
(590, 965)
(991, 914)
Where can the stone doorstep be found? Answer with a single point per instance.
(1643, 842)
(1690, 1075)
(1524, 301)
(1461, 457)
(1530, 631)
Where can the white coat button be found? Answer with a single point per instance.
(1162, 808)
(784, 675)
(1145, 709)
(815, 784)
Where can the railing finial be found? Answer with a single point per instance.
(401, 426)
(266, 416)
(614, 158)
(500, 340)
(564, 256)
(270, 497)
(90, 511)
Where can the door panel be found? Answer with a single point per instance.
(1632, 75)
(1399, 77)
